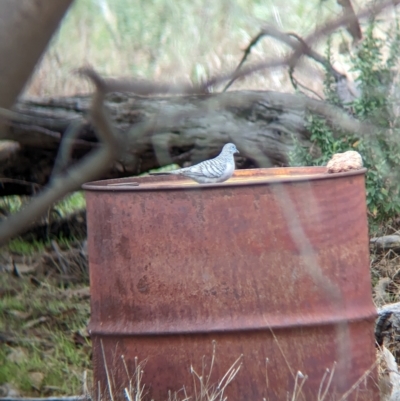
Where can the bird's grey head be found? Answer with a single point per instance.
(230, 148)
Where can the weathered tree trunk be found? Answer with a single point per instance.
(262, 124)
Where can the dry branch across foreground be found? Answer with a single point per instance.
(261, 123)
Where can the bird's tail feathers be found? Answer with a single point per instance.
(164, 173)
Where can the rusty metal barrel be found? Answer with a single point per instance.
(271, 267)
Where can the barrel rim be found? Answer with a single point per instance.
(95, 327)
(301, 174)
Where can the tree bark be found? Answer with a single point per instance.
(261, 124)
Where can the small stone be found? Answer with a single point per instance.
(17, 355)
(24, 268)
(9, 390)
(36, 379)
(342, 162)
(19, 315)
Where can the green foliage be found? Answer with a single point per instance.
(321, 135)
(71, 203)
(329, 79)
(10, 204)
(380, 153)
(373, 79)
(19, 246)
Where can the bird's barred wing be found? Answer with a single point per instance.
(213, 168)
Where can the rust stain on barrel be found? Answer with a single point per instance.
(175, 265)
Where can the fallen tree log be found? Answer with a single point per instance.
(262, 124)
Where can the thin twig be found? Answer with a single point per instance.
(296, 84)
(85, 389)
(65, 148)
(357, 383)
(4, 180)
(60, 257)
(247, 52)
(328, 384)
(107, 373)
(127, 394)
(282, 353)
(308, 51)
(298, 388)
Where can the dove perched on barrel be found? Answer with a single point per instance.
(210, 171)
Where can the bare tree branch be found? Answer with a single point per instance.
(316, 56)
(88, 169)
(353, 27)
(296, 84)
(286, 38)
(140, 87)
(247, 52)
(65, 148)
(292, 60)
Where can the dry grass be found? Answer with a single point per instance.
(385, 274)
(204, 390)
(44, 346)
(385, 270)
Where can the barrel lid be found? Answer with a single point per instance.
(243, 177)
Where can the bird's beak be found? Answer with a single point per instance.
(237, 151)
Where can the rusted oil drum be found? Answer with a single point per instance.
(272, 265)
